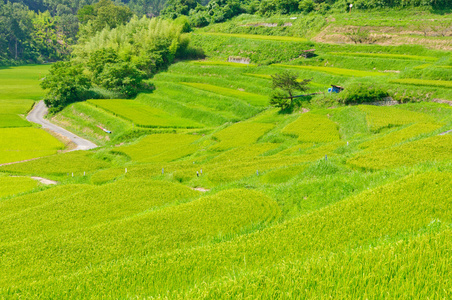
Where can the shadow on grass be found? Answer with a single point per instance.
(296, 104)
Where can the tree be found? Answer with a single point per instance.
(66, 84)
(105, 13)
(285, 84)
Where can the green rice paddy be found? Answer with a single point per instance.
(204, 191)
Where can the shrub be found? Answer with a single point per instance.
(362, 93)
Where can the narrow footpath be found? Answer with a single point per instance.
(37, 116)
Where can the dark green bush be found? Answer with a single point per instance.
(362, 93)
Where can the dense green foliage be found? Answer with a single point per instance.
(217, 11)
(27, 36)
(66, 84)
(116, 60)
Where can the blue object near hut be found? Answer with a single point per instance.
(335, 89)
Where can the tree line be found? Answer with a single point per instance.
(217, 11)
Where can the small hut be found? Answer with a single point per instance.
(335, 89)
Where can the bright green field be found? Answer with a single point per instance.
(13, 121)
(18, 106)
(143, 115)
(32, 143)
(22, 82)
(334, 71)
(204, 192)
(386, 55)
(161, 147)
(258, 37)
(412, 81)
(10, 186)
(252, 99)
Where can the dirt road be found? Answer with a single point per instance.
(37, 116)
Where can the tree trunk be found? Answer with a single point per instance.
(16, 49)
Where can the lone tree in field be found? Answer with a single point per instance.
(284, 85)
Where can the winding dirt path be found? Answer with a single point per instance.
(37, 116)
(44, 180)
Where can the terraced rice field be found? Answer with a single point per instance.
(33, 143)
(161, 147)
(22, 82)
(439, 148)
(334, 71)
(63, 164)
(383, 117)
(424, 82)
(240, 134)
(211, 194)
(11, 186)
(143, 115)
(253, 99)
(12, 121)
(386, 55)
(313, 128)
(257, 37)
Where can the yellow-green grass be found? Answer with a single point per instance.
(18, 144)
(91, 238)
(360, 238)
(433, 149)
(425, 256)
(311, 153)
(240, 134)
(379, 117)
(22, 82)
(147, 170)
(386, 55)
(104, 176)
(18, 106)
(423, 66)
(222, 63)
(334, 71)
(161, 147)
(311, 83)
(16, 205)
(283, 174)
(143, 115)
(228, 171)
(228, 166)
(106, 204)
(400, 136)
(253, 99)
(10, 186)
(424, 82)
(313, 128)
(246, 152)
(12, 121)
(257, 37)
(75, 162)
